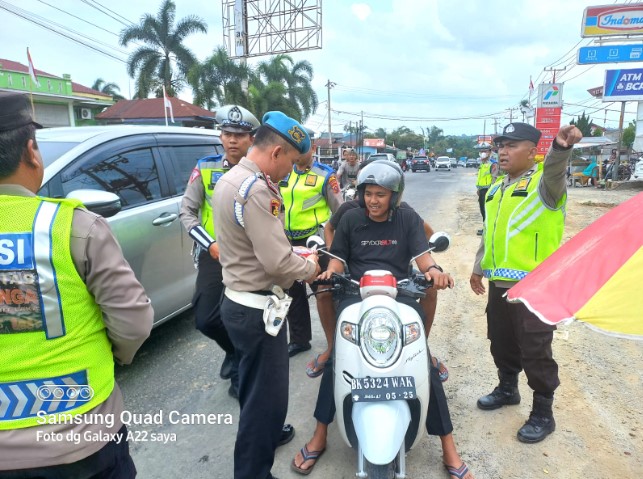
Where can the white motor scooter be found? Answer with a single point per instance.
(381, 366)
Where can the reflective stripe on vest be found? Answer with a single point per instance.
(508, 255)
(304, 202)
(51, 308)
(24, 399)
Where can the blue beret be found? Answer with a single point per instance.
(289, 129)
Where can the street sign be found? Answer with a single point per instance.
(610, 20)
(610, 54)
(623, 85)
(550, 95)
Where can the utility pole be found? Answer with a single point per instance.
(329, 85)
(617, 160)
(554, 70)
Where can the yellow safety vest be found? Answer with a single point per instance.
(211, 168)
(56, 357)
(304, 203)
(520, 230)
(484, 175)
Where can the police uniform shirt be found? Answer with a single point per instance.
(128, 318)
(366, 244)
(257, 255)
(552, 188)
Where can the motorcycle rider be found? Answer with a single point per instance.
(347, 172)
(380, 186)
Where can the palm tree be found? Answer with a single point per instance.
(296, 77)
(110, 89)
(218, 80)
(264, 97)
(163, 45)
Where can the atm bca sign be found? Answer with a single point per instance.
(623, 85)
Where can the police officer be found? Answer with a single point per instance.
(237, 132)
(524, 225)
(258, 262)
(310, 194)
(72, 306)
(487, 175)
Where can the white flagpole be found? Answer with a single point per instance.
(164, 105)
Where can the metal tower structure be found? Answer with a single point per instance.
(253, 28)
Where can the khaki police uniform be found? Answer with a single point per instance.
(256, 255)
(128, 317)
(209, 283)
(519, 340)
(303, 216)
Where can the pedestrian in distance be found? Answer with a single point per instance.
(72, 307)
(524, 225)
(237, 133)
(347, 172)
(258, 263)
(380, 186)
(310, 195)
(487, 175)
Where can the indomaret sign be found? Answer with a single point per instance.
(610, 20)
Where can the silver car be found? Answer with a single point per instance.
(135, 176)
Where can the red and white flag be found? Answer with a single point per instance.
(167, 104)
(32, 70)
(531, 85)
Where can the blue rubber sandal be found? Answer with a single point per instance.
(315, 368)
(460, 472)
(307, 455)
(443, 372)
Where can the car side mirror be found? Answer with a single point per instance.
(100, 202)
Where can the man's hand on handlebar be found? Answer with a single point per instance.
(440, 280)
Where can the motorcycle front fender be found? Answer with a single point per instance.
(380, 428)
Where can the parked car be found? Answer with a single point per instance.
(454, 162)
(443, 163)
(135, 176)
(382, 156)
(471, 163)
(420, 163)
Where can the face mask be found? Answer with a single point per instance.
(484, 155)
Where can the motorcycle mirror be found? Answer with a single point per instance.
(315, 241)
(440, 241)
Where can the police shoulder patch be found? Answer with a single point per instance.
(195, 174)
(275, 205)
(522, 184)
(332, 182)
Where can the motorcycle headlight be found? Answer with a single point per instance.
(380, 337)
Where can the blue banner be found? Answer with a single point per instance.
(623, 85)
(610, 54)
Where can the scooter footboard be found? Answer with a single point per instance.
(380, 428)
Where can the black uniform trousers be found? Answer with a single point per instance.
(263, 389)
(520, 341)
(299, 322)
(438, 419)
(207, 301)
(112, 461)
(482, 193)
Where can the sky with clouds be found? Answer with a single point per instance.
(456, 64)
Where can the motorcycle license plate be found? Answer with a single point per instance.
(383, 389)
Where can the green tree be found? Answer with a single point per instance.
(434, 134)
(151, 63)
(629, 135)
(264, 97)
(218, 81)
(110, 89)
(297, 78)
(584, 124)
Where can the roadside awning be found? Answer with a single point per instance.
(590, 141)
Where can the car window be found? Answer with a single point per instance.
(132, 175)
(184, 160)
(52, 150)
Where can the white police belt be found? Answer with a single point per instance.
(275, 307)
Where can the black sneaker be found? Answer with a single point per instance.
(287, 433)
(294, 348)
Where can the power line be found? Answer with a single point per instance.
(101, 8)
